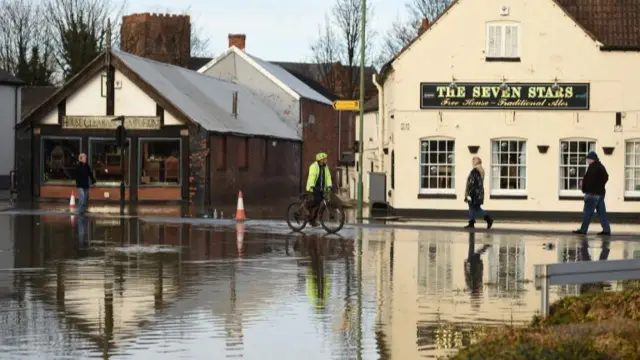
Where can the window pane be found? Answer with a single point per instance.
(437, 164)
(160, 161)
(105, 162)
(59, 158)
(508, 166)
(573, 164)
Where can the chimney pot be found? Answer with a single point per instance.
(424, 25)
(237, 40)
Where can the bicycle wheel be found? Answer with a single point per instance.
(331, 218)
(296, 216)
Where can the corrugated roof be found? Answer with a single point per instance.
(208, 101)
(7, 78)
(291, 81)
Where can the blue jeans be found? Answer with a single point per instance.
(475, 210)
(594, 203)
(83, 199)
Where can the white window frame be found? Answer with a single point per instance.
(453, 165)
(577, 192)
(627, 167)
(509, 192)
(502, 53)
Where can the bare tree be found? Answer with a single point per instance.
(79, 30)
(24, 47)
(402, 32)
(339, 44)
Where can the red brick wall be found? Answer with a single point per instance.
(266, 174)
(161, 37)
(322, 136)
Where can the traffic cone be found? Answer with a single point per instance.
(72, 200)
(240, 238)
(240, 215)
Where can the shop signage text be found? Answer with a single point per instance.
(106, 122)
(517, 96)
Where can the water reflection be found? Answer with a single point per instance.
(114, 288)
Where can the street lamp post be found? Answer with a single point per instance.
(121, 139)
(361, 127)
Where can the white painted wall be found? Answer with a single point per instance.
(551, 46)
(88, 100)
(169, 119)
(234, 68)
(370, 155)
(130, 100)
(10, 105)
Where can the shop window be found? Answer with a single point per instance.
(573, 164)
(221, 153)
(59, 158)
(508, 167)
(632, 168)
(160, 160)
(437, 166)
(243, 153)
(105, 161)
(503, 41)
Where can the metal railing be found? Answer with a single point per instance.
(581, 273)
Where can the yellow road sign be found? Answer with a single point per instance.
(347, 105)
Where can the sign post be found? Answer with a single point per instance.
(363, 41)
(121, 139)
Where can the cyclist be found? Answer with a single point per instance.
(318, 182)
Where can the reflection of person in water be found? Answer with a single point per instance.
(473, 266)
(586, 256)
(83, 239)
(317, 280)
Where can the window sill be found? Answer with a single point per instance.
(508, 197)
(571, 197)
(108, 185)
(502, 59)
(437, 196)
(632, 196)
(158, 185)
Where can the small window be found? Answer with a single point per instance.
(508, 167)
(632, 168)
(437, 166)
(243, 153)
(221, 153)
(160, 161)
(573, 164)
(503, 41)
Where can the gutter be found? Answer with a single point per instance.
(620, 48)
(381, 117)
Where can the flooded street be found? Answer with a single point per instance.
(104, 287)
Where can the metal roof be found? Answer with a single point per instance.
(208, 101)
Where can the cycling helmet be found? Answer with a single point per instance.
(321, 156)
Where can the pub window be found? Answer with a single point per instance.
(221, 153)
(59, 158)
(437, 166)
(243, 153)
(160, 161)
(573, 164)
(508, 167)
(632, 168)
(105, 161)
(503, 40)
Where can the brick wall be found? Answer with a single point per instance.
(265, 173)
(161, 37)
(321, 136)
(198, 155)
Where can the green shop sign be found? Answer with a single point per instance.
(499, 96)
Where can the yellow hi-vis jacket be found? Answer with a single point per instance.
(314, 172)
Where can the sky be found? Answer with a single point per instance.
(276, 30)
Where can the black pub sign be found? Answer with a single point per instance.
(499, 96)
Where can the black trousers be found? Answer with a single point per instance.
(313, 204)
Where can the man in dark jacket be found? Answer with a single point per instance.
(84, 179)
(593, 187)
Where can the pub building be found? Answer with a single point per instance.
(190, 137)
(531, 87)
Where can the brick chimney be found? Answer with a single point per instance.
(160, 37)
(424, 25)
(237, 40)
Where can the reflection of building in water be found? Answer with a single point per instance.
(631, 250)
(233, 322)
(435, 260)
(506, 266)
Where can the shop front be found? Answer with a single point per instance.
(154, 158)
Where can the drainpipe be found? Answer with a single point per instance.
(381, 122)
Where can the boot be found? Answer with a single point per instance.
(471, 225)
(489, 221)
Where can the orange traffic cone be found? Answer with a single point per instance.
(72, 200)
(240, 238)
(240, 215)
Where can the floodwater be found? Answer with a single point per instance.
(104, 287)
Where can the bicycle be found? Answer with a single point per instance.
(298, 212)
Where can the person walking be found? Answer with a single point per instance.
(593, 187)
(84, 180)
(474, 194)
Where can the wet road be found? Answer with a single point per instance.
(99, 287)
